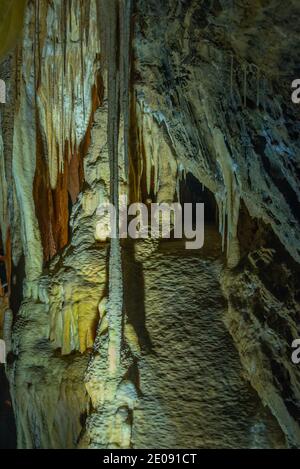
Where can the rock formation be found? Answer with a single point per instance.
(123, 343)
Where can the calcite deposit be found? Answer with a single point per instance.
(121, 343)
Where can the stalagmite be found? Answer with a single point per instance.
(231, 74)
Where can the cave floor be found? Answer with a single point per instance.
(193, 391)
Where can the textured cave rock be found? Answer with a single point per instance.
(143, 344)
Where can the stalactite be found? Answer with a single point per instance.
(231, 74)
(157, 166)
(4, 222)
(64, 77)
(81, 53)
(221, 200)
(181, 174)
(245, 85)
(7, 329)
(228, 202)
(10, 31)
(255, 71)
(87, 11)
(64, 48)
(24, 147)
(53, 65)
(35, 43)
(115, 278)
(70, 6)
(265, 93)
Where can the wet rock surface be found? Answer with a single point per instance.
(204, 341)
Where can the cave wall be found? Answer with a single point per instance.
(209, 95)
(221, 86)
